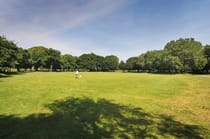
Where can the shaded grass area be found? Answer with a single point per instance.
(86, 118)
(10, 74)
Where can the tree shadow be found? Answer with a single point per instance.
(10, 74)
(168, 126)
(4, 75)
(85, 118)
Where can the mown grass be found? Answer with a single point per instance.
(104, 105)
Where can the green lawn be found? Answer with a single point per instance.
(42, 105)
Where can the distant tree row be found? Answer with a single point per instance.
(183, 55)
(48, 59)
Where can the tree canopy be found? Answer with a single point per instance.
(87, 62)
(68, 62)
(132, 63)
(111, 63)
(8, 53)
(190, 53)
(38, 56)
(207, 56)
(182, 55)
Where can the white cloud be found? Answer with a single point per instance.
(29, 25)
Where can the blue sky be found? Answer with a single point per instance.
(124, 28)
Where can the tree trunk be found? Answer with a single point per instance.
(51, 67)
(18, 69)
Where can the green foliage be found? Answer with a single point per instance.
(68, 62)
(141, 62)
(164, 62)
(170, 64)
(132, 63)
(52, 60)
(122, 65)
(111, 63)
(207, 51)
(99, 62)
(207, 55)
(150, 58)
(44, 57)
(88, 62)
(38, 56)
(23, 59)
(190, 53)
(183, 55)
(93, 62)
(8, 53)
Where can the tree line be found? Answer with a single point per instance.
(178, 56)
(183, 55)
(48, 59)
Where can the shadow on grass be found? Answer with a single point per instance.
(85, 118)
(11, 74)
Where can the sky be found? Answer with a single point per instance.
(124, 28)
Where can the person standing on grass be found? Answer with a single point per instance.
(77, 74)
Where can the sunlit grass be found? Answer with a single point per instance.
(184, 97)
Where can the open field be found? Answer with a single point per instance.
(104, 105)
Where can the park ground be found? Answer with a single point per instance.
(104, 105)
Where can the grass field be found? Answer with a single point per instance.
(42, 105)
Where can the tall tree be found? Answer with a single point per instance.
(99, 62)
(159, 61)
(52, 61)
(190, 53)
(8, 53)
(68, 62)
(87, 62)
(23, 59)
(132, 63)
(111, 63)
(207, 55)
(122, 65)
(141, 62)
(168, 63)
(38, 55)
(149, 59)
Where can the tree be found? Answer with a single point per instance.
(68, 62)
(169, 63)
(159, 61)
(190, 53)
(23, 59)
(132, 63)
(207, 56)
(52, 61)
(8, 52)
(38, 55)
(111, 63)
(99, 62)
(88, 62)
(122, 65)
(207, 51)
(149, 60)
(141, 62)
